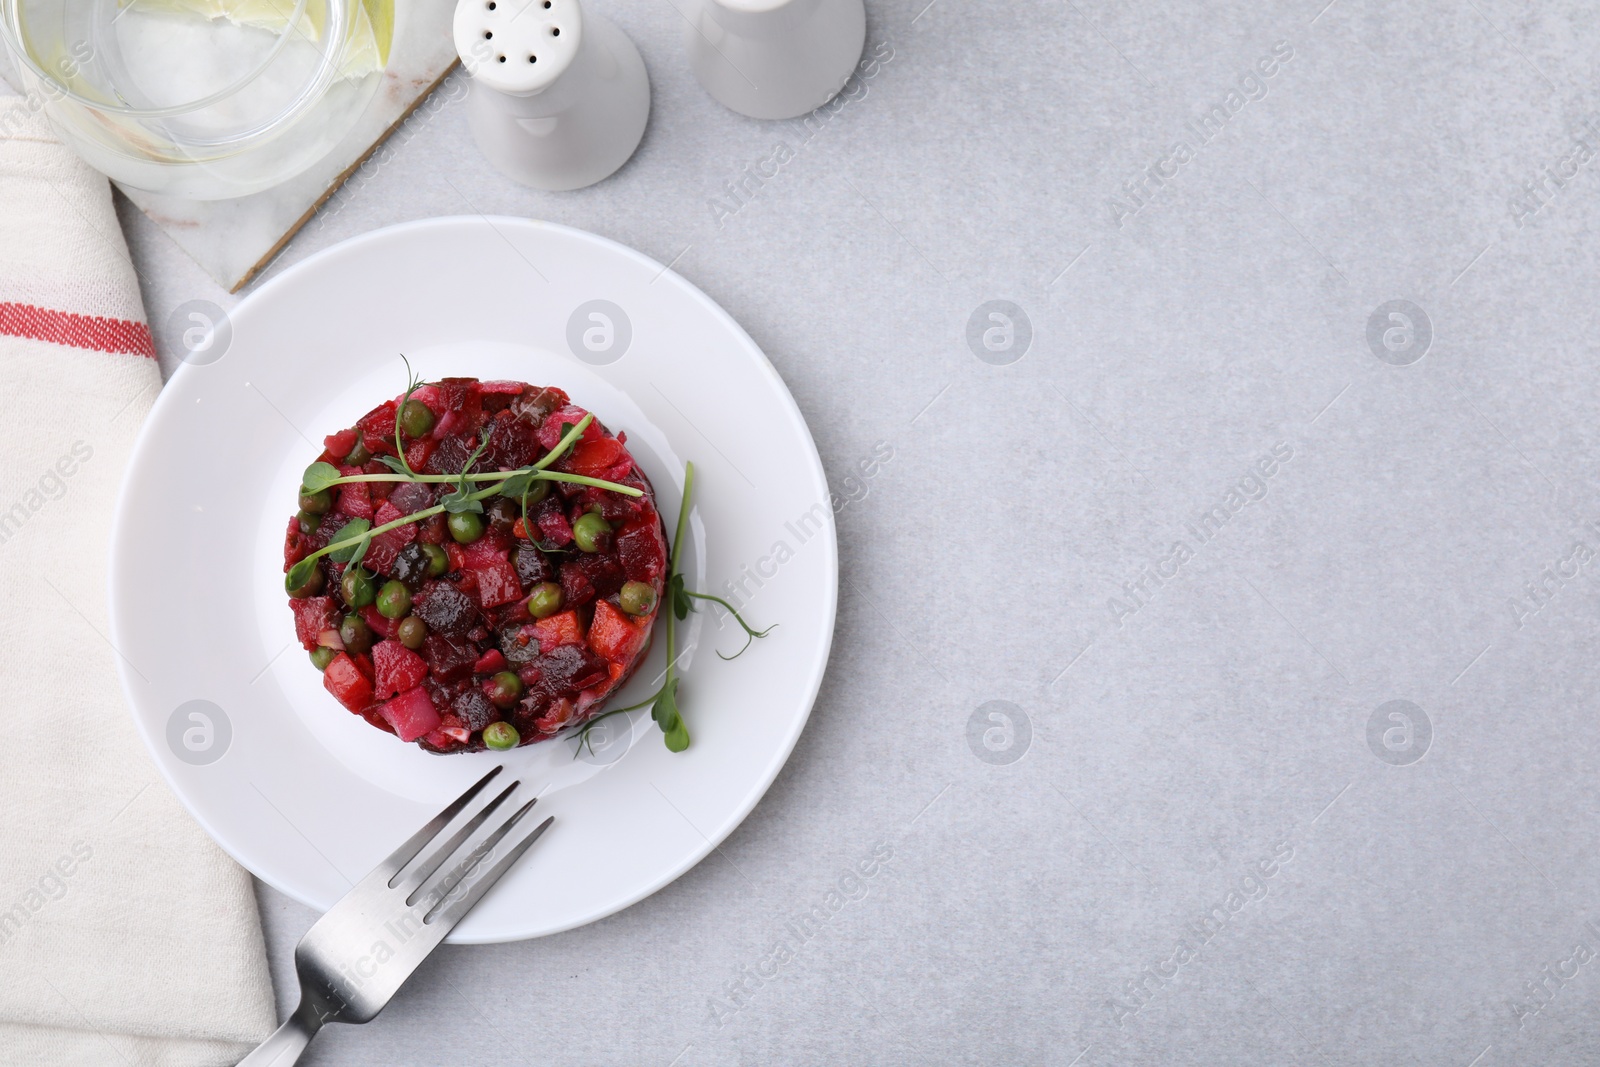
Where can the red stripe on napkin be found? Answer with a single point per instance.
(94, 332)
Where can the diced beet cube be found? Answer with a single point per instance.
(312, 616)
(380, 555)
(377, 623)
(532, 565)
(613, 634)
(445, 609)
(576, 589)
(433, 531)
(385, 514)
(499, 386)
(497, 583)
(330, 525)
(603, 571)
(420, 452)
(339, 444)
(347, 683)
(458, 397)
(642, 552)
(616, 508)
(562, 628)
(557, 669)
(385, 548)
(486, 549)
(296, 545)
(474, 709)
(512, 443)
(379, 422)
(395, 668)
(450, 454)
(552, 522)
(515, 612)
(491, 662)
(573, 667)
(449, 659)
(377, 492)
(355, 501)
(411, 496)
(411, 714)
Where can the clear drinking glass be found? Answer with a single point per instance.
(202, 99)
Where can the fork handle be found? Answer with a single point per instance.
(285, 1045)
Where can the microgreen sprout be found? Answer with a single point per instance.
(412, 382)
(350, 543)
(663, 703)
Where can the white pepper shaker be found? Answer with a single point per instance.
(560, 97)
(775, 59)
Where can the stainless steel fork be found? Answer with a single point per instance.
(358, 955)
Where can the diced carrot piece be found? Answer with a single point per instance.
(559, 629)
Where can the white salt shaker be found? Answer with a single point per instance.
(559, 95)
(775, 59)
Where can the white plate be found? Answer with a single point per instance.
(309, 797)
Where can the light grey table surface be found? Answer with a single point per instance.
(1197, 729)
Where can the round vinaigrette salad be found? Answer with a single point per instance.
(475, 564)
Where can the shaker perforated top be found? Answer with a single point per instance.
(517, 46)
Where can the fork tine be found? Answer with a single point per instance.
(411, 881)
(446, 883)
(447, 912)
(400, 857)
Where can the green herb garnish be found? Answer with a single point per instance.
(412, 382)
(663, 703)
(349, 545)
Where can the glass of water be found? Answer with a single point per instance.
(202, 99)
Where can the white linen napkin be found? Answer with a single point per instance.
(126, 935)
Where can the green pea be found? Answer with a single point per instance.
(308, 522)
(413, 631)
(394, 599)
(536, 492)
(591, 532)
(316, 503)
(438, 560)
(356, 634)
(466, 527)
(359, 454)
(312, 586)
(504, 689)
(638, 598)
(501, 736)
(415, 418)
(544, 600)
(357, 587)
(321, 657)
